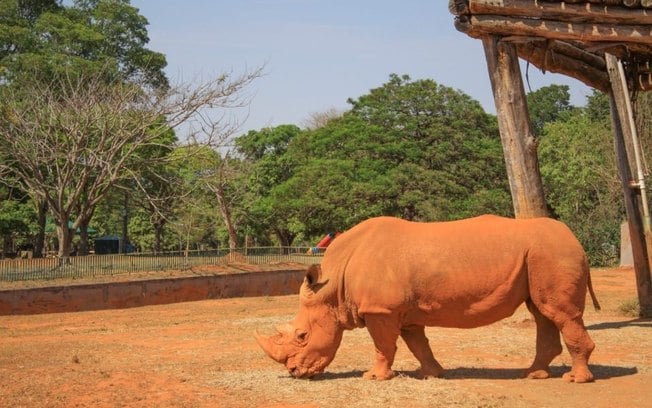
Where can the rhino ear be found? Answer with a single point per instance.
(312, 275)
(312, 278)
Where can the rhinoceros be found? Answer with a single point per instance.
(395, 277)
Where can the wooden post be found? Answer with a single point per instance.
(640, 250)
(519, 144)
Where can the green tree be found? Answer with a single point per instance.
(268, 165)
(155, 187)
(445, 133)
(452, 142)
(72, 140)
(413, 149)
(218, 177)
(124, 38)
(580, 179)
(16, 219)
(41, 39)
(547, 104)
(17, 20)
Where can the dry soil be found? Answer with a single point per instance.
(203, 354)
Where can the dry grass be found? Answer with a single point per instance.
(630, 308)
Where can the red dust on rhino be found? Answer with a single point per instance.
(396, 277)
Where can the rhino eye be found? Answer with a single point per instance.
(301, 336)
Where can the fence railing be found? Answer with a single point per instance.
(12, 270)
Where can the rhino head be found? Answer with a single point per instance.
(307, 344)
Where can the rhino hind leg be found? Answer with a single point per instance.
(567, 320)
(417, 342)
(548, 344)
(384, 330)
(580, 346)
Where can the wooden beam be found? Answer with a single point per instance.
(632, 3)
(622, 50)
(567, 49)
(640, 249)
(479, 26)
(553, 58)
(519, 144)
(644, 82)
(586, 12)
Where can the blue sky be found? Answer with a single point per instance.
(319, 53)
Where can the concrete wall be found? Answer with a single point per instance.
(117, 295)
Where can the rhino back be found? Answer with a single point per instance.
(440, 271)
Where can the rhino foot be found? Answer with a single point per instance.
(578, 376)
(537, 374)
(380, 376)
(432, 372)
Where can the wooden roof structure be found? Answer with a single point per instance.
(568, 37)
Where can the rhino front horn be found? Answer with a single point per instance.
(272, 349)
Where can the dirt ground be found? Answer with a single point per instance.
(203, 354)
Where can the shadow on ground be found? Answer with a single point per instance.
(645, 323)
(600, 372)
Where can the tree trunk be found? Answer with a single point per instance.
(7, 245)
(226, 216)
(125, 224)
(519, 144)
(285, 238)
(39, 240)
(65, 239)
(83, 240)
(158, 234)
(83, 222)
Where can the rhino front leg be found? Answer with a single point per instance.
(417, 342)
(384, 330)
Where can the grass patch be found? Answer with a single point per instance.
(630, 308)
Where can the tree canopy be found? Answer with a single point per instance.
(87, 137)
(85, 107)
(40, 38)
(412, 149)
(581, 180)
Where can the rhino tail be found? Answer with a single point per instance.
(596, 304)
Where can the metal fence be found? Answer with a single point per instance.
(12, 270)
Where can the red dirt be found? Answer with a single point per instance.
(202, 354)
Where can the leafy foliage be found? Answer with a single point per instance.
(410, 148)
(580, 178)
(546, 105)
(86, 108)
(39, 39)
(413, 149)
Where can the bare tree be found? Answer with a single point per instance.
(72, 139)
(221, 183)
(317, 120)
(218, 174)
